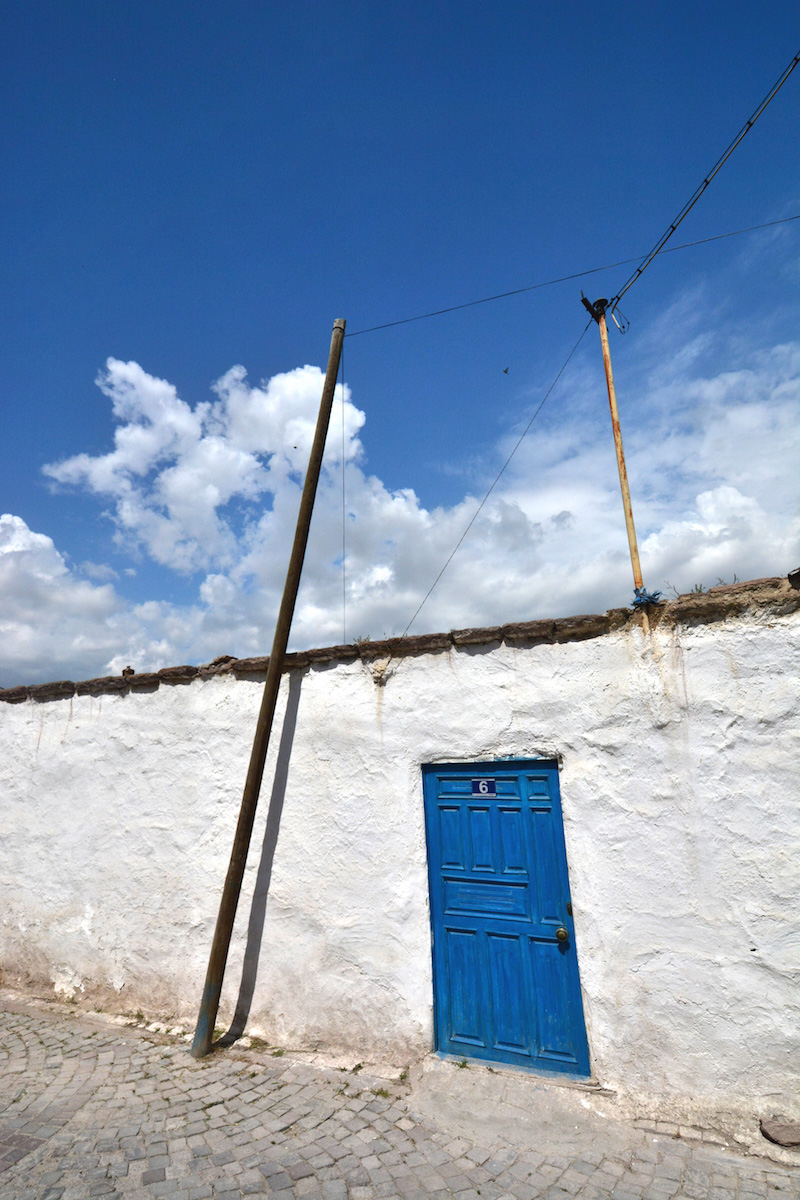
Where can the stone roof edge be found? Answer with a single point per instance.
(776, 595)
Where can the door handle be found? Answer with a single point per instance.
(561, 934)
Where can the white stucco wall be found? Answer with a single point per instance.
(679, 787)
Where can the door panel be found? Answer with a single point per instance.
(505, 988)
(509, 1002)
(452, 842)
(549, 892)
(480, 836)
(463, 962)
(512, 839)
(483, 896)
(551, 990)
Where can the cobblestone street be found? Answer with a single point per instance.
(89, 1108)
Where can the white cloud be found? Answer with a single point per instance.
(212, 491)
(48, 616)
(99, 572)
(174, 469)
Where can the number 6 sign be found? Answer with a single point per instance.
(484, 787)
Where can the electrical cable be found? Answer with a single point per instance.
(497, 478)
(690, 203)
(623, 262)
(643, 265)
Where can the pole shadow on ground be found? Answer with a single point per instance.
(258, 905)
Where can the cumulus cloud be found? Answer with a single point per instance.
(100, 572)
(48, 615)
(712, 461)
(174, 470)
(212, 491)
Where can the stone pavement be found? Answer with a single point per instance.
(90, 1108)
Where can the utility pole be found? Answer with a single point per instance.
(598, 314)
(209, 1004)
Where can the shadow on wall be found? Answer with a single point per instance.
(258, 907)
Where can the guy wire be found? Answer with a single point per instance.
(497, 478)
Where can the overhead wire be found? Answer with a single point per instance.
(497, 479)
(690, 203)
(532, 287)
(658, 248)
(563, 367)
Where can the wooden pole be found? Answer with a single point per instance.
(218, 958)
(623, 474)
(598, 313)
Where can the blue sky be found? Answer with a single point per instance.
(196, 187)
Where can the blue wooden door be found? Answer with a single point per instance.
(505, 968)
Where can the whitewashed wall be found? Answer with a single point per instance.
(679, 783)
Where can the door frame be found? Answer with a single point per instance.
(582, 1070)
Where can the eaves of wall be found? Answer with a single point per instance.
(776, 596)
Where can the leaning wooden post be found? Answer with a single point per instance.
(598, 312)
(218, 958)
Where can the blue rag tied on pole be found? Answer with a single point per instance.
(641, 598)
